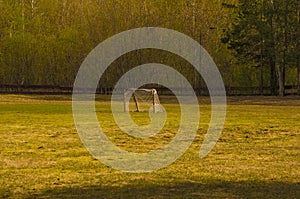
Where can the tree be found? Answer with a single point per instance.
(44, 42)
(260, 37)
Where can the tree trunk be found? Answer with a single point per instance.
(261, 69)
(282, 65)
(273, 79)
(261, 80)
(298, 56)
(273, 56)
(281, 80)
(298, 64)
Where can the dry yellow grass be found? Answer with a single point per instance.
(256, 157)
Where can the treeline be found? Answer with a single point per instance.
(265, 34)
(44, 42)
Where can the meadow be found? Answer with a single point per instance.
(257, 156)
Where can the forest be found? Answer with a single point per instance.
(254, 43)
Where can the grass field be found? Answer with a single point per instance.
(258, 155)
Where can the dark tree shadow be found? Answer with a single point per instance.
(179, 190)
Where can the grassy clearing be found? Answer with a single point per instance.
(258, 155)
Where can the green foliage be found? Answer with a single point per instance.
(53, 37)
(44, 42)
(264, 34)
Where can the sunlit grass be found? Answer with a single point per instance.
(256, 157)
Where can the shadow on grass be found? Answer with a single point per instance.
(179, 190)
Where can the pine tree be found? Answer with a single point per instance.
(260, 36)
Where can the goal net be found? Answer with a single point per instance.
(142, 100)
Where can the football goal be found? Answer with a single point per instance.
(141, 100)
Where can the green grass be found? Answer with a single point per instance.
(258, 155)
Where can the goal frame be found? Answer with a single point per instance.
(132, 94)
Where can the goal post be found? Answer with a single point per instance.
(141, 100)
